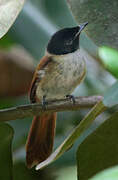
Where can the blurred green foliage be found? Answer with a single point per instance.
(109, 58)
(6, 136)
(6, 41)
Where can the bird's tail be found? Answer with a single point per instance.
(40, 139)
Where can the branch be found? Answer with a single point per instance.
(30, 110)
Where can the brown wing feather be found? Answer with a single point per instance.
(37, 78)
(41, 136)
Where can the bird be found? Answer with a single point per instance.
(58, 73)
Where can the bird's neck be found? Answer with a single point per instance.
(64, 56)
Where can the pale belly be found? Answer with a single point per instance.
(62, 79)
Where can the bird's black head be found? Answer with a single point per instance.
(65, 41)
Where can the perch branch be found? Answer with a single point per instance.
(30, 110)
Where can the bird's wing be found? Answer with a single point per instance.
(41, 135)
(38, 76)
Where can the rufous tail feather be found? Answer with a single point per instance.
(40, 139)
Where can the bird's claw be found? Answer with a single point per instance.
(71, 97)
(44, 102)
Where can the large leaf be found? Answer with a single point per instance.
(102, 17)
(9, 10)
(6, 136)
(85, 123)
(100, 149)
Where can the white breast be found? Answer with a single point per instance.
(66, 74)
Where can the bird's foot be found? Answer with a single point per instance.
(71, 97)
(44, 102)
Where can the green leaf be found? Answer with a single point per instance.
(111, 96)
(9, 10)
(6, 136)
(108, 174)
(109, 58)
(84, 124)
(99, 150)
